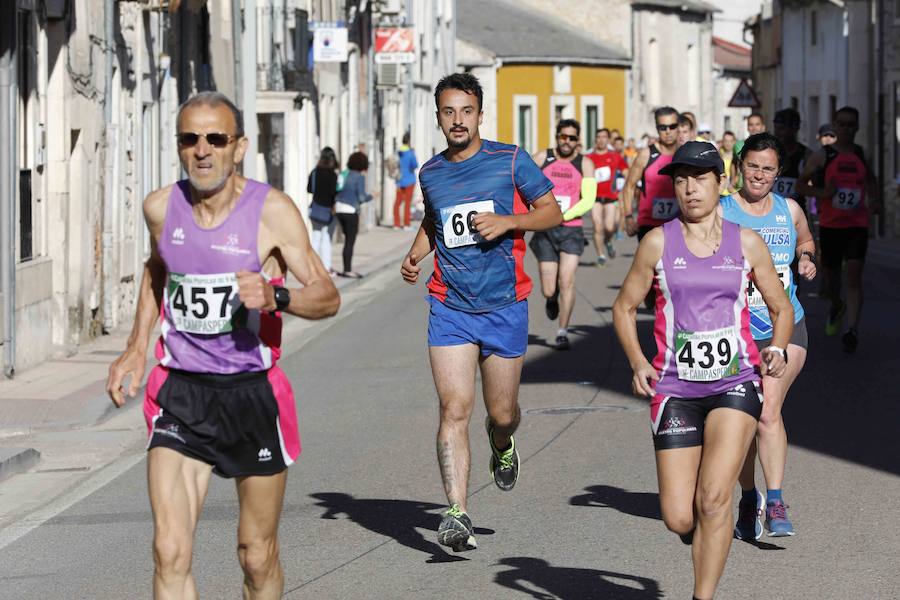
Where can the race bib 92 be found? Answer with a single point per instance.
(706, 355)
(202, 303)
(459, 230)
(847, 198)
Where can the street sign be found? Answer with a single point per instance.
(330, 44)
(744, 96)
(395, 45)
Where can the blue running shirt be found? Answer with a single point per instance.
(777, 229)
(471, 274)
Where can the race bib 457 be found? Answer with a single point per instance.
(202, 303)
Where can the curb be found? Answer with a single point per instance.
(17, 460)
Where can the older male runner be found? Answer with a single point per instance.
(220, 247)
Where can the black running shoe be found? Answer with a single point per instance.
(562, 342)
(851, 341)
(456, 530)
(504, 463)
(552, 307)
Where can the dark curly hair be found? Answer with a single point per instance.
(763, 141)
(358, 162)
(465, 82)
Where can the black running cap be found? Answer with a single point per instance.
(695, 154)
(826, 129)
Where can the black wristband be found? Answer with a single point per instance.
(812, 257)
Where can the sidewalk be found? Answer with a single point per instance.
(69, 393)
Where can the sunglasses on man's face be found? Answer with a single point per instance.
(565, 137)
(188, 139)
(663, 126)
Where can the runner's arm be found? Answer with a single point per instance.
(421, 247)
(283, 227)
(133, 360)
(588, 191)
(772, 289)
(805, 243)
(804, 187)
(634, 175)
(540, 157)
(634, 289)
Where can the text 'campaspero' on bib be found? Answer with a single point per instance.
(202, 304)
(459, 230)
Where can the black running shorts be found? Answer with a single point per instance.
(231, 422)
(547, 245)
(679, 422)
(842, 243)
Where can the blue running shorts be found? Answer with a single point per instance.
(503, 332)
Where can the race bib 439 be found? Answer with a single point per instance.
(202, 303)
(706, 355)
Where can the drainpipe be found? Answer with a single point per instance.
(109, 168)
(8, 184)
(236, 35)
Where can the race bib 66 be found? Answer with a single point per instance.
(459, 230)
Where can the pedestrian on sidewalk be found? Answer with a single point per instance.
(322, 184)
(349, 199)
(221, 247)
(406, 183)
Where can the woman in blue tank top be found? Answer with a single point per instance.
(781, 223)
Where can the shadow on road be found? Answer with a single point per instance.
(541, 580)
(638, 504)
(842, 405)
(397, 519)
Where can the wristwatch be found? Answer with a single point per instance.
(282, 298)
(812, 257)
(781, 351)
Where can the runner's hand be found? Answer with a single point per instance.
(806, 268)
(254, 292)
(130, 363)
(490, 225)
(631, 227)
(409, 270)
(773, 363)
(640, 383)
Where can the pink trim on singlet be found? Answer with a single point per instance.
(288, 429)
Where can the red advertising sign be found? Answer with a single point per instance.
(395, 45)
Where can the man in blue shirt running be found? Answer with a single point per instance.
(480, 198)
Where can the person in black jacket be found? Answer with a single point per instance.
(322, 184)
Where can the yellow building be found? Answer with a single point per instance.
(537, 70)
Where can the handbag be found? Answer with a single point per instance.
(318, 212)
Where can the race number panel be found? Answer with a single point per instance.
(602, 174)
(847, 198)
(785, 186)
(665, 209)
(202, 303)
(754, 296)
(706, 355)
(565, 202)
(458, 227)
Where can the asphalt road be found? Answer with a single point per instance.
(363, 501)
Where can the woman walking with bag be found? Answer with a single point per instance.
(322, 184)
(352, 195)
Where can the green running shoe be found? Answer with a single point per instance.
(456, 530)
(505, 463)
(833, 322)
